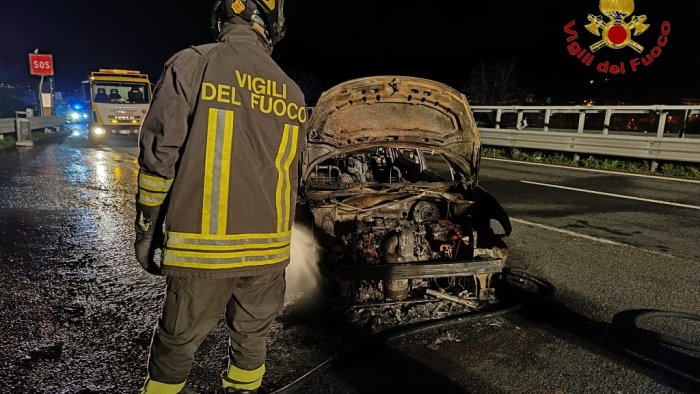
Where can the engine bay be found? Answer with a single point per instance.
(398, 225)
(382, 166)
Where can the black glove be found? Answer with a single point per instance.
(149, 237)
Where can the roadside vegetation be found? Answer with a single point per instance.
(637, 166)
(7, 142)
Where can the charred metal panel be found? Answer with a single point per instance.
(420, 270)
(392, 110)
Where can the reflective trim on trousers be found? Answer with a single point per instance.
(153, 387)
(241, 379)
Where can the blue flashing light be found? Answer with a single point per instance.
(77, 106)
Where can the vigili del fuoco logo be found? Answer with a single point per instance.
(617, 29)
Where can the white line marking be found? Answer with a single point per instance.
(594, 170)
(588, 237)
(567, 232)
(674, 204)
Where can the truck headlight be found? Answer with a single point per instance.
(99, 131)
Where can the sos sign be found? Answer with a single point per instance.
(41, 65)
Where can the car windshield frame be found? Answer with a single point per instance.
(412, 169)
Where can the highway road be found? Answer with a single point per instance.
(76, 311)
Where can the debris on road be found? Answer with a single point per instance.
(461, 301)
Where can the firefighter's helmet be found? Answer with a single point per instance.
(268, 13)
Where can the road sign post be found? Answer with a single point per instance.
(42, 65)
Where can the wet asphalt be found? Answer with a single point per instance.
(77, 311)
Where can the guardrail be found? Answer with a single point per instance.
(655, 132)
(9, 125)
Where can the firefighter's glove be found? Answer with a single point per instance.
(149, 237)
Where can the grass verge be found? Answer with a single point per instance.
(609, 163)
(7, 142)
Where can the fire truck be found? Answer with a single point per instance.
(119, 100)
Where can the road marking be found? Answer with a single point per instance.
(567, 232)
(594, 170)
(674, 204)
(590, 238)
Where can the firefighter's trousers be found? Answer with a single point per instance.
(193, 307)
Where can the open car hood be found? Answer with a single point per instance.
(392, 111)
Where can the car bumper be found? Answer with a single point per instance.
(114, 131)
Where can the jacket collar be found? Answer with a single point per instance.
(237, 28)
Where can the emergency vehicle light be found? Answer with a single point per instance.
(118, 71)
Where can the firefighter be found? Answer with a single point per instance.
(218, 161)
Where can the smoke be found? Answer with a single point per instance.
(303, 274)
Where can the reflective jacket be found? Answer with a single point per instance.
(219, 148)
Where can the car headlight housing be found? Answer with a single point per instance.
(99, 131)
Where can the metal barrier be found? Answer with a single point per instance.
(9, 125)
(45, 122)
(656, 132)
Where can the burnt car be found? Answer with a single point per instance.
(389, 184)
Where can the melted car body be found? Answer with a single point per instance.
(389, 182)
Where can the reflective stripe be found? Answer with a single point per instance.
(153, 183)
(225, 173)
(209, 170)
(285, 157)
(151, 198)
(241, 379)
(280, 177)
(287, 165)
(153, 387)
(153, 189)
(227, 257)
(215, 252)
(184, 264)
(216, 174)
(227, 239)
(226, 247)
(217, 171)
(149, 202)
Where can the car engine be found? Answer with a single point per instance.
(386, 218)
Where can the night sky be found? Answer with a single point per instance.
(334, 41)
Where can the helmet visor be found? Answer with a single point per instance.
(273, 11)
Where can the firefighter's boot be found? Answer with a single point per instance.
(231, 390)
